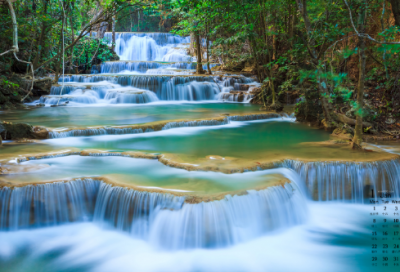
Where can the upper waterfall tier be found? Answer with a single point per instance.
(148, 67)
(159, 37)
(150, 46)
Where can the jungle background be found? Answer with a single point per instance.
(336, 61)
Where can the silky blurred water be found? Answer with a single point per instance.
(337, 237)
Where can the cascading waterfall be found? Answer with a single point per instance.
(143, 66)
(228, 221)
(169, 125)
(348, 181)
(150, 62)
(130, 210)
(159, 38)
(137, 89)
(150, 46)
(136, 96)
(195, 123)
(96, 131)
(47, 204)
(356, 182)
(163, 219)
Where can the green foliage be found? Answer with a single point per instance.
(40, 28)
(8, 84)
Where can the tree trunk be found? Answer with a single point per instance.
(199, 69)
(272, 87)
(60, 49)
(358, 132)
(208, 59)
(138, 21)
(322, 84)
(253, 52)
(396, 11)
(208, 53)
(113, 33)
(70, 61)
(192, 43)
(42, 39)
(102, 30)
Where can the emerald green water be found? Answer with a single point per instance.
(141, 172)
(121, 115)
(238, 139)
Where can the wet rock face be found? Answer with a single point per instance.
(40, 132)
(257, 99)
(233, 96)
(16, 131)
(241, 87)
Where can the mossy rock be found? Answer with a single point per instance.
(16, 131)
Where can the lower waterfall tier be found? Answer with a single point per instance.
(111, 89)
(351, 181)
(153, 216)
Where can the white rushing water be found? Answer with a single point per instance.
(333, 239)
(207, 124)
(164, 220)
(153, 67)
(151, 47)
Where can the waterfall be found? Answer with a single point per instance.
(236, 97)
(143, 66)
(348, 181)
(170, 125)
(195, 123)
(237, 90)
(130, 210)
(136, 89)
(133, 130)
(149, 46)
(153, 62)
(228, 221)
(58, 99)
(159, 38)
(164, 219)
(135, 96)
(47, 204)
(149, 62)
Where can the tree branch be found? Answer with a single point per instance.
(364, 35)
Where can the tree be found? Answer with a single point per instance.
(396, 11)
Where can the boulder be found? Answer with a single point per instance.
(16, 131)
(40, 132)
